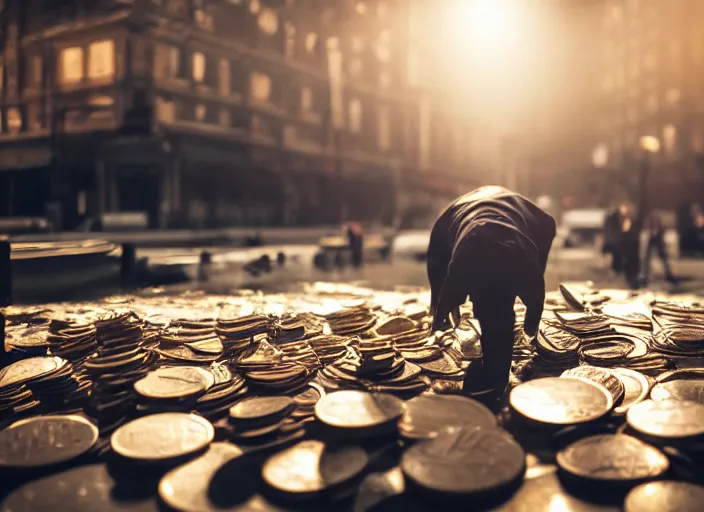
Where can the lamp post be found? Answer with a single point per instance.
(650, 146)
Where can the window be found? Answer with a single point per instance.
(361, 8)
(167, 61)
(165, 110)
(224, 77)
(255, 6)
(384, 135)
(268, 21)
(311, 42)
(383, 46)
(35, 118)
(198, 67)
(260, 87)
(101, 59)
(355, 115)
(200, 112)
(669, 135)
(306, 99)
(14, 120)
(290, 43)
(71, 65)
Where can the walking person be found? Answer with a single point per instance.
(656, 246)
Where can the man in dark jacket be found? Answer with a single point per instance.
(493, 245)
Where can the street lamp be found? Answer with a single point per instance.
(650, 144)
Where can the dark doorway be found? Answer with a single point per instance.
(139, 190)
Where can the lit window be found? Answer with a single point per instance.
(384, 128)
(260, 87)
(669, 135)
(167, 60)
(254, 6)
(383, 47)
(14, 120)
(165, 110)
(361, 8)
(200, 112)
(101, 59)
(71, 65)
(290, 44)
(224, 76)
(198, 67)
(306, 99)
(268, 21)
(311, 41)
(355, 115)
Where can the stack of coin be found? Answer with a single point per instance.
(555, 350)
(667, 422)
(627, 350)
(189, 342)
(237, 334)
(300, 352)
(305, 401)
(71, 340)
(261, 420)
(227, 388)
(359, 414)
(119, 362)
(284, 377)
(34, 316)
(329, 348)
(27, 340)
(351, 321)
(395, 325)
(289, 329)
(172, 389)
(412, 339)
(678, 312)
(584, 324)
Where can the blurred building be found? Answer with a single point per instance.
(209, 113)
(651, 82)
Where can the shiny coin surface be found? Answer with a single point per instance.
(462, 461)
(174, 382)
(665, 496)
(636, 388)
(561, 400)
(311, 466)
(426, 415)
(257, 407)
(669, 419)
(683, 389)
(26, 370)
(186, 488)
(81, 489)
(358, 409)
(615, 458)
(45, 440)
(601, 376)
(162, 436)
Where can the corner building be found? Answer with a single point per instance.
(212, 113)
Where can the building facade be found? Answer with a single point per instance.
(651, 83)
(209, 113)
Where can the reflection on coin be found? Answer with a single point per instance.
(684, 389)
(378, 488)
(614, 458)
(665, 496)
(670, 419)
(358, 409)
(311, 466)
(82, 489)
(162, 436)
(260, 407)
(427, 414)
(636, 388)
(174, 382)
(561, 400)
(186, 487)
(463, 461)
(45, 440)
(29, 369)
(601, 376)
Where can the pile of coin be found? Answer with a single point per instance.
(237, 334)
(27, 340)
(190, 342)
(329, 348)
(71, 340)
(263, 420)
(118, 363)
(349, 322)
(172, 389)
